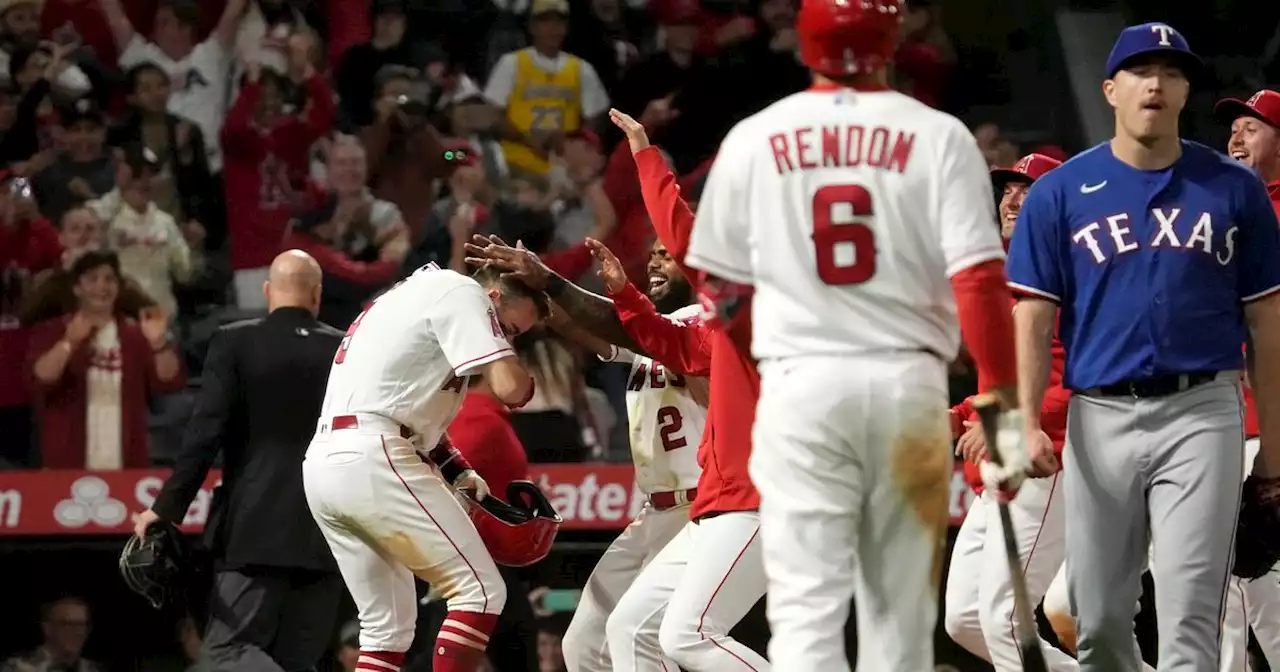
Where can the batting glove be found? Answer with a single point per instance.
(472, 484)
(1005, 478)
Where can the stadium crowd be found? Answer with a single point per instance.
(184, 144)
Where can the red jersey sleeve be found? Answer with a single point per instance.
(671, 216)
(683, 347)
(982, 301)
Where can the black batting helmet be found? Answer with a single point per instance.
(156, 566)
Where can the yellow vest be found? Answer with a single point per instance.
(542, 101)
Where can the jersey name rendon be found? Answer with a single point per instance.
(847, 146)
(1177, 230)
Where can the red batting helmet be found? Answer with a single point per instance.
(848, 37)
(519, 531)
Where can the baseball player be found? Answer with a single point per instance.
(1154, 253)
(683, 604)
(861, 220)
(1255, 142)
(979, 606)
(666, 411)
(397, 381)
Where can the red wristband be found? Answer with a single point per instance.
(448, 460)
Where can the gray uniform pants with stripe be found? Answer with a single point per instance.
(1169, 467)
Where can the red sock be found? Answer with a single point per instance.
(380, 661)
(462, 640)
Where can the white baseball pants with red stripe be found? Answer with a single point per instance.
(585, 645)
(852, 458)
(388, 517)
(682, 606)
(979, 609)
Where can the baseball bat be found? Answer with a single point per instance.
(988, 408)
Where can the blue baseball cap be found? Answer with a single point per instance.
(1149, 39)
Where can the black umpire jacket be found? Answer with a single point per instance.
(262, 387)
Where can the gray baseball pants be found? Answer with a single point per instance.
(1168, 469)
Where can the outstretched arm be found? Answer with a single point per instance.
(682, 346)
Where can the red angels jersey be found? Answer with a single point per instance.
(407, 356)
(849, 212)
(666, 412)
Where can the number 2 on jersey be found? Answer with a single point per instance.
(851, 237)
(670, 422)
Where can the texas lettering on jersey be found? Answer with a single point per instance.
(1177, 230)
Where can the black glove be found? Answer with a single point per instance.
(1258, 533)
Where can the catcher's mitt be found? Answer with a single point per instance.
(1258, 534)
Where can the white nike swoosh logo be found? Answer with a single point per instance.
(1090, 188)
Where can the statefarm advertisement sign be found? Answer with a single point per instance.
(588, 496)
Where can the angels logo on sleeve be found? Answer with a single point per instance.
(496, 325)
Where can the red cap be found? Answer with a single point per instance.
(1028, 169)
(1051, 151)
(1264, 105)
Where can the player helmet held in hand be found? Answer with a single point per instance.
(519, 531)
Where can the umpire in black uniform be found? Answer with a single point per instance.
(276, 590)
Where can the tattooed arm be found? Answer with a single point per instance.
(592, 312)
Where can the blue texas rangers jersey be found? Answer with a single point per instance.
(1151, 268)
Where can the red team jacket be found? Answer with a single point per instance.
(1053, 414)
(735, 385)
(1251, 411)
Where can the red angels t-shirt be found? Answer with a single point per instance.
(1250, 410)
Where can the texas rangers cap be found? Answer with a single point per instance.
(1264, 105)
(1028, 169)
(1150, 39)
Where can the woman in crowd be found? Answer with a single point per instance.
(94, 370)
(52, 292)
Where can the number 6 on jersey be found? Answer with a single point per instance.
(844, 248)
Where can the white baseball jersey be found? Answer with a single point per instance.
(849, 212)
(407, 356)
(667, 412)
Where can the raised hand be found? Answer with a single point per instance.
(615, 278)
(154, 324)
(78, 329)
(636, 136)
(517, 262)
